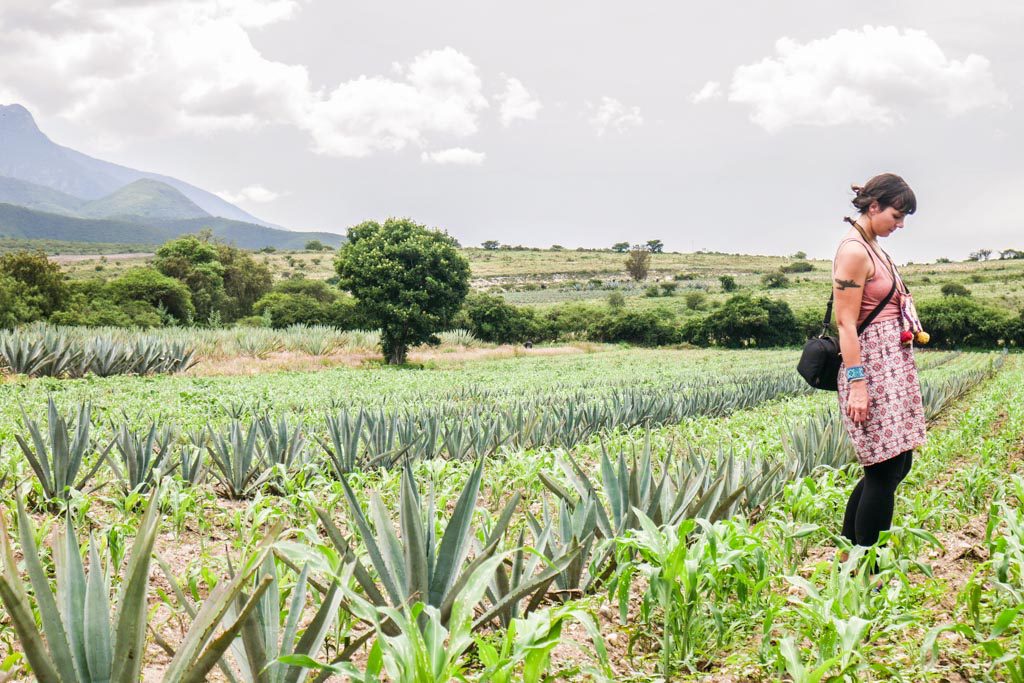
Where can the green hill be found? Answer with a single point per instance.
(143, 198)
(20, 222)
(38, 197)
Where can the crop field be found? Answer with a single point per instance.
(609, 514)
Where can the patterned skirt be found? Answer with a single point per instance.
(895, 412)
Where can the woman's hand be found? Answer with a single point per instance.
(857, 405)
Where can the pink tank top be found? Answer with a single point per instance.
(877, 286)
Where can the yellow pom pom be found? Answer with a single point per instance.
(922, 337)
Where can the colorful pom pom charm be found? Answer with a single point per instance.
(906, 336)
(922, 337)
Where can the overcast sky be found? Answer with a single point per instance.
(730, 126)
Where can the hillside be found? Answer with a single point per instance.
(38, 197)
(19, 222)
(143, 198)
(29, 155)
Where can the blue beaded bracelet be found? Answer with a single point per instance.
(855, 373)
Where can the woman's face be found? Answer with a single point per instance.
(885, 221)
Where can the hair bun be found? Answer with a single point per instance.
(859, 190)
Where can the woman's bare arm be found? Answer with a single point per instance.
(852, 266)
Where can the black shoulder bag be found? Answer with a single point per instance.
(820, 360)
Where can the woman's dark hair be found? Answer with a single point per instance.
(888, 189)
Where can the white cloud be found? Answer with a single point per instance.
(150, 67)
(517, 102)
(871, 76)
(256, 194)
(612, 114)
(711, 90)
(454, 155)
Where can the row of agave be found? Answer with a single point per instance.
(316, 340)
(246, 454)
(55, 354)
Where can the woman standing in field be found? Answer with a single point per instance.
(879, 393)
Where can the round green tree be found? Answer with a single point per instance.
(407, 280)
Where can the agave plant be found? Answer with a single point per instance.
(21, 354)
(79, 641)
(106, 357)
(820, 441)
(190, 462)
(419, 567)
(572, 536)
(143, 457)
(346, 434)
(284, 446)
(58, 462)
(240, 465)
(262, 643)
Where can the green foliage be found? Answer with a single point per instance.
(797, 267)
(655, 246)
(149, 286)
(648, 327)
(245, 281)
(695, 301)
(314, 245)
(491, 319)
(747, 321)
(728, 283)
(40, 280)
(408, 281)
(638, 263)
(616, 300)
(620, 247)
(775, 280)
(955, 289)
(652, 291)
(669, 288)
(13, 307)
(490, 245)
(963, 322)
(298, 301)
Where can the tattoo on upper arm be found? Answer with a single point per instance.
(846, 284)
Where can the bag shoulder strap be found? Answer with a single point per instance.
(878, 309)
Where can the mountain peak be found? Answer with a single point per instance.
(14, 118)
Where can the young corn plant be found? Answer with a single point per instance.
(56, 461)
(80, 640)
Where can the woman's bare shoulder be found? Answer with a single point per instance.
(852, 255)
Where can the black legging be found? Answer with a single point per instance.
(869, 510)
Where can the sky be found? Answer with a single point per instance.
(728, 126)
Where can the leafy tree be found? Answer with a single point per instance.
(195, 262)
(40, 281)
(669, 288)
(620, 247)
(800, 255)
(695, 300)
(154, 288)
(1010, 254)
(13, 309)
(490, 245)
(638, 263)
(557, 247)
(942, 259)
(616, 301)
(955, 289)
(980, 255)
(775, 280)
(728, 283)
(407, 280)
(655, 246)
(245, 281)
(746, 321)
(649, 327)
(492, 319)
(314, 245)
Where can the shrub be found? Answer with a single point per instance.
(568, 321)
(695, 300)
(616, 300)
(651, 327)
(492, 319)
(669, 288)
(955, 289)
(797, 267)
(638, 263)
(746, 321)
(13, 308)
(775, 280)
(959, 322)
(154, 288)
(682, 277)
(652, 291)
(314, 245)
(728, 283)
